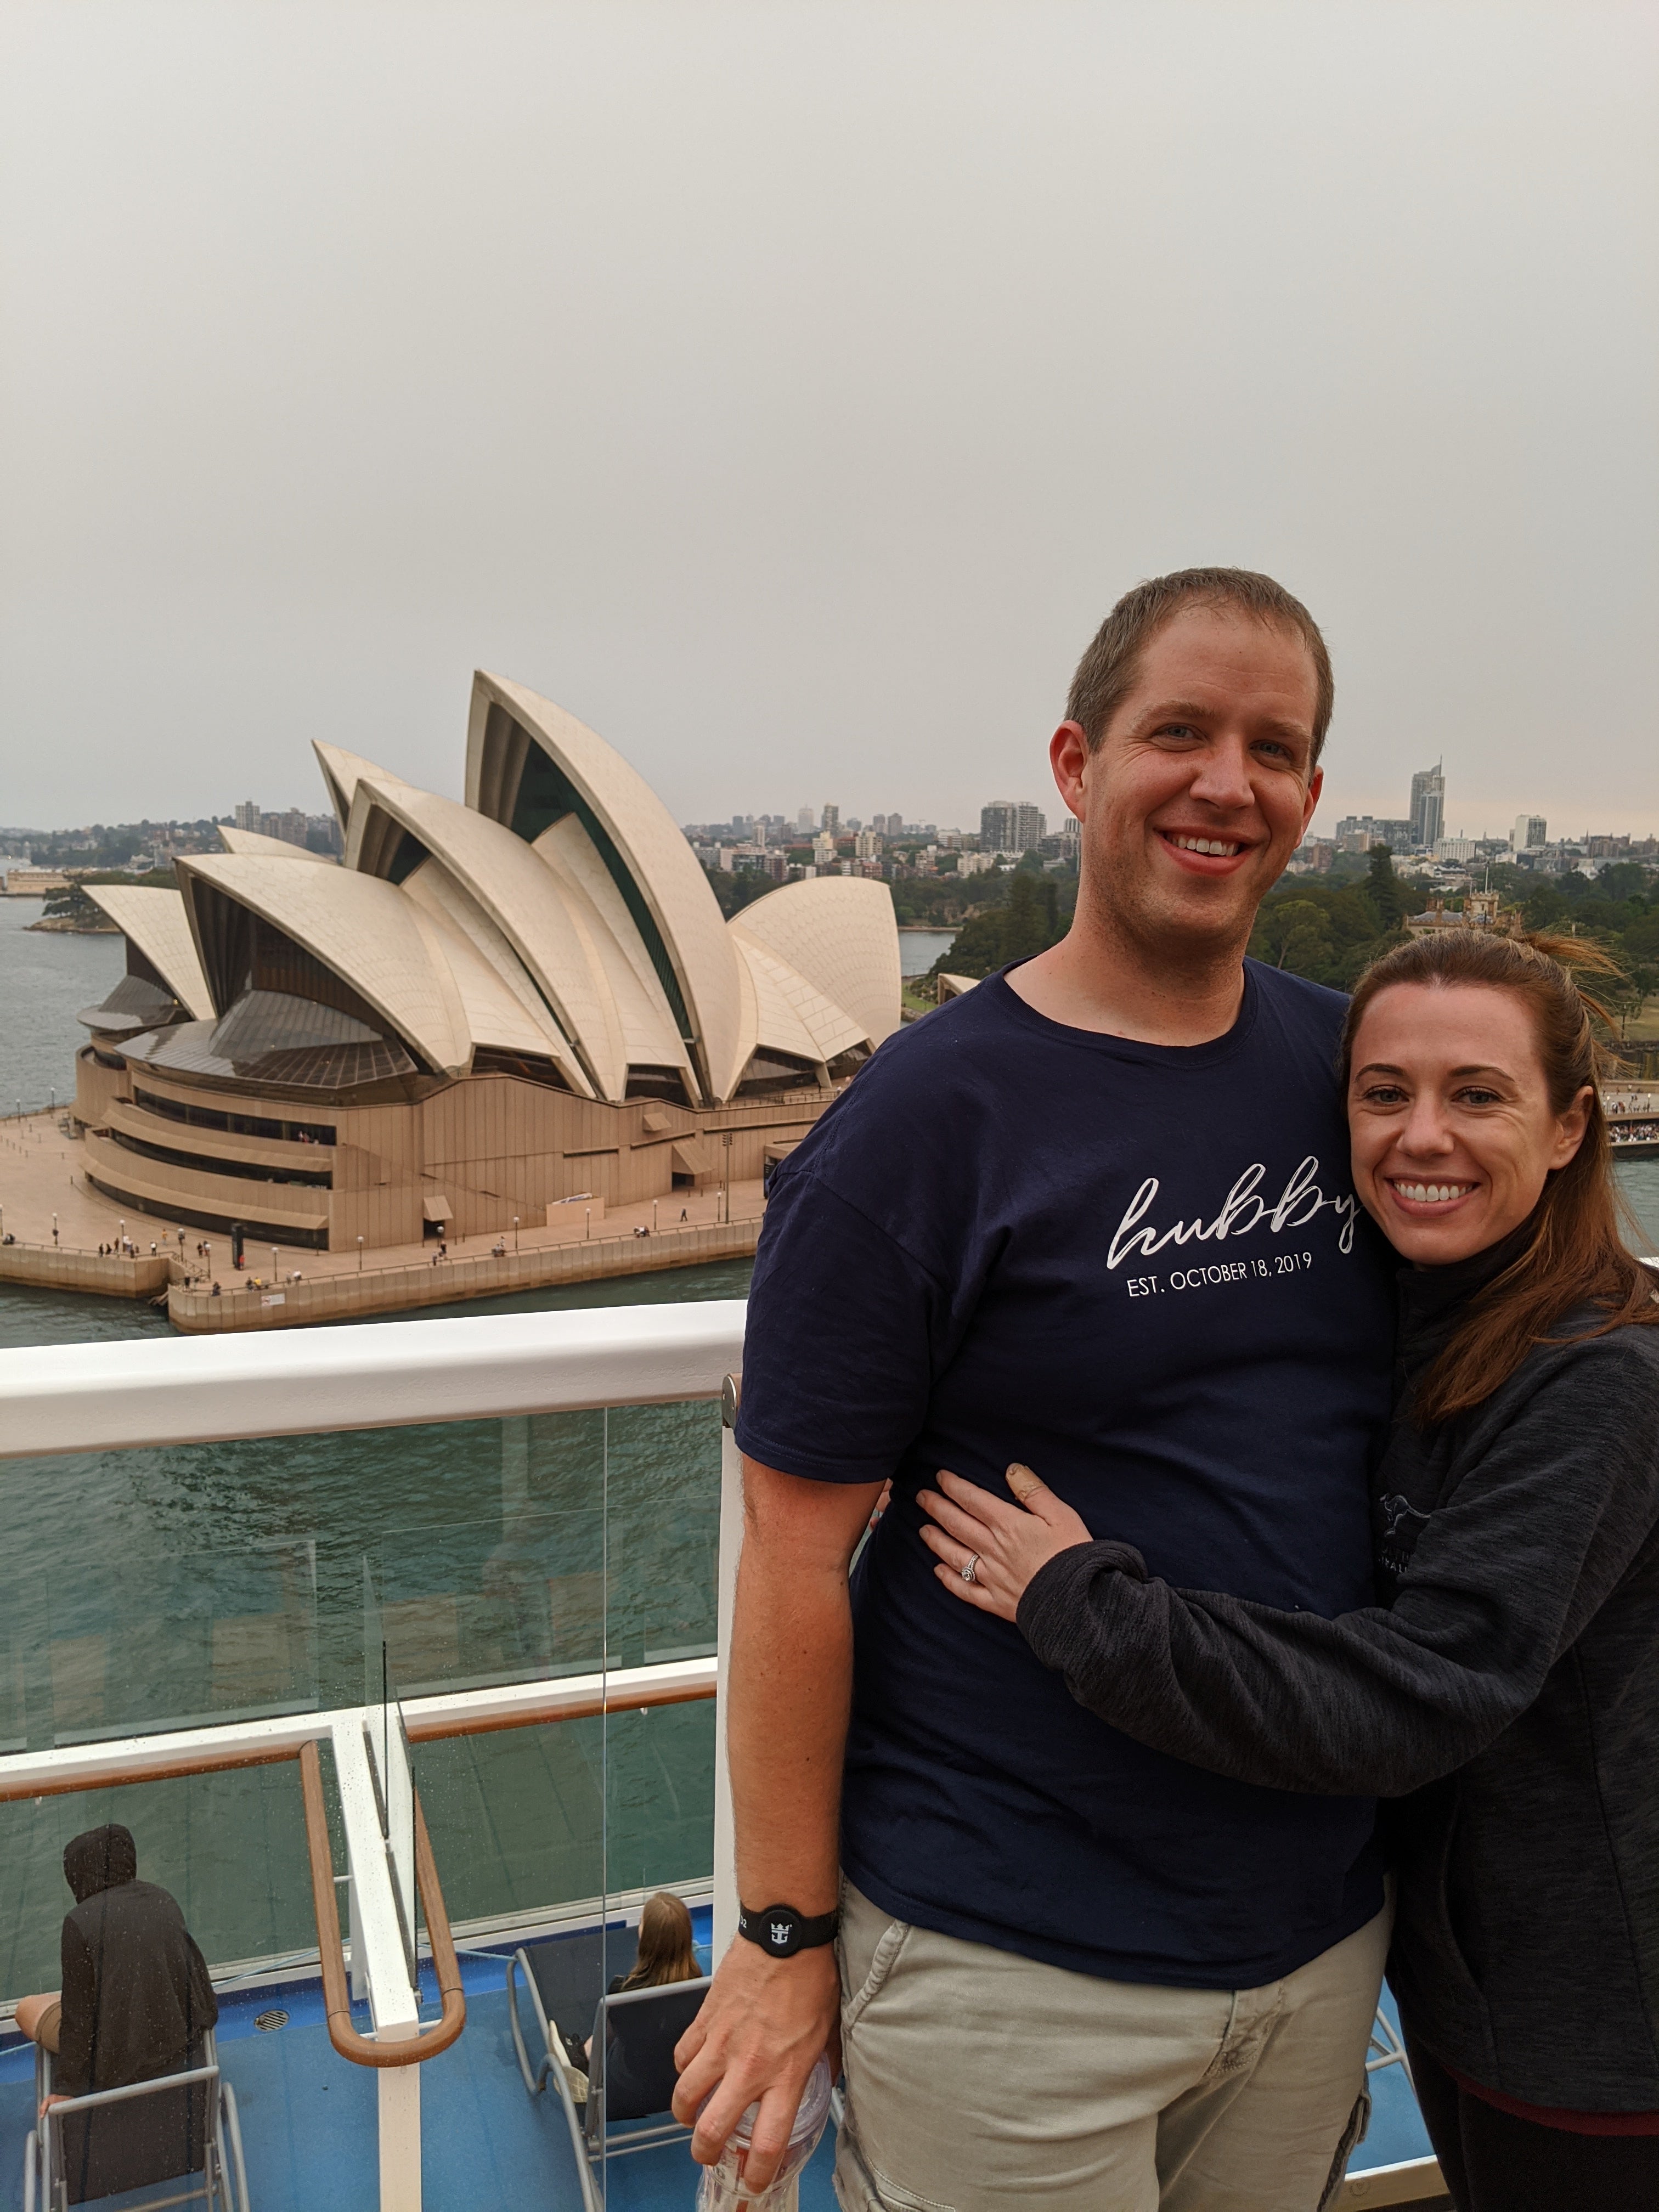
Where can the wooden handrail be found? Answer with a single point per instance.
(207, 1762)
(586, 1709)
(364, 2049)
(224, 1762)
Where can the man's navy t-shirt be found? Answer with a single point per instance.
(1140, 1269)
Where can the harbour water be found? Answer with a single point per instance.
(45, 978)
(920, 948)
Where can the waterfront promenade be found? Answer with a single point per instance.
(43, 1178)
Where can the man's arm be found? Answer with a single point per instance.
(766, 2020)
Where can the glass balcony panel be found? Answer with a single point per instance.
(195, 1638)
(231, 1848)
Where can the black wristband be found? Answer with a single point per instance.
(781, 1931)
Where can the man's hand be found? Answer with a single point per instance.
(1006, 1544)
(763, 2027)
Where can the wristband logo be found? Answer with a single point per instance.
(1242, 1210)
(780, 1932)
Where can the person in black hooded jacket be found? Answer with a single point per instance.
(136, 2002)
(1504, 1690)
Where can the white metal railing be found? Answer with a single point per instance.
(129, 1395)
(134, 1392)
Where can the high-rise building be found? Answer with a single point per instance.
(290, 826)
(1530, 831)
(1358, 833)
(867, 845)
(830, 824)
(1428, 807)
(806, 820)
(1010, 825)
(247, 816)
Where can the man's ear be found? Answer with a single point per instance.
(1068, 757)
(1315, 785)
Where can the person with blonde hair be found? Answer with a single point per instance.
(1503, 1689)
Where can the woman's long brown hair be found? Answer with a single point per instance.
(665, 1953)
(1575, 1256)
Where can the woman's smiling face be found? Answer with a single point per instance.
(1452, 1131)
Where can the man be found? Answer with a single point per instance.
(1095, 1215)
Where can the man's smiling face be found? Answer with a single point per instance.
(1203, 783)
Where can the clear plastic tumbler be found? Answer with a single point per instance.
(723, 2189)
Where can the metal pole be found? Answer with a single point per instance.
(515, 1232)
(359, 1255)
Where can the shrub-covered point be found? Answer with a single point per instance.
(1034, 911)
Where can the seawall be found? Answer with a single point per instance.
(346, 1297)
(52, 1269)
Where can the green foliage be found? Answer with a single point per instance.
(1028, 919)
(1326, 931)
(738, 889)
(1390, 900)
(1330, 931)
(74, 906)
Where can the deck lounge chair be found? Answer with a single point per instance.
(631, 2081)
(178, 2127)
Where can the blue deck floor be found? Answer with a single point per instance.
(309, 2130)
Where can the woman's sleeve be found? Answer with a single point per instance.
(1503, 1579)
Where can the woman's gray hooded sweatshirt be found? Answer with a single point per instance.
(1505, 1691)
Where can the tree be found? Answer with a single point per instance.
(72, 906)
(1384, 888)
(1630, 993)
(1028, 921)
(1544, 908)
(1294, 933)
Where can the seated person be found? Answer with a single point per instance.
(665, 1951)
(665, 1954)
(136, 2002)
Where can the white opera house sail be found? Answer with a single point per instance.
(489, 1008)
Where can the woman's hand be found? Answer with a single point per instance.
(1006, 1544)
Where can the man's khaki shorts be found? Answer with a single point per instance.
(977, 2080)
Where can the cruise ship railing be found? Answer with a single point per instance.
(127, 1395)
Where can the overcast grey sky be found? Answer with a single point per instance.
(788, 389)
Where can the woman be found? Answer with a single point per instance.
(1505, 1689)
(665, 1951)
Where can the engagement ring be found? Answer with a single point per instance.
(968, 1574)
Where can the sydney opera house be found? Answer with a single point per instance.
(487, 1009)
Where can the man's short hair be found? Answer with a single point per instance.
(1107, 672)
